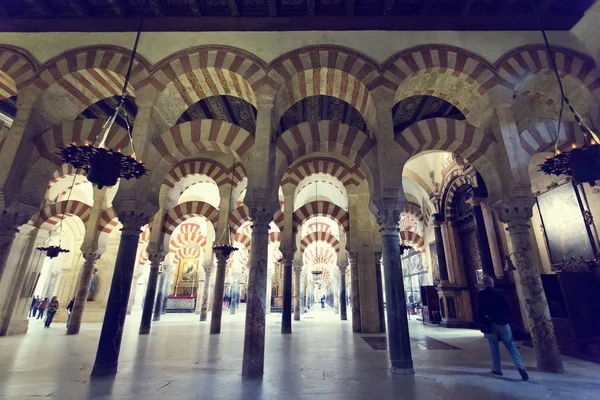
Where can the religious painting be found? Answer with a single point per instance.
(435, 268)
(563, 224)
(187, 277)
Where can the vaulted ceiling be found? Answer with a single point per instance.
(257, 15)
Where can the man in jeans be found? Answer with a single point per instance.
(494, 307)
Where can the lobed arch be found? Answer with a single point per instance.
(51, 215)
(412, 238)
(324, 209)
(186, 210)
(319, 237)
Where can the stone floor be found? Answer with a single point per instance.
(323, 359)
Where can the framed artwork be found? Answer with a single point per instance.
(434, 260)
(564, 226)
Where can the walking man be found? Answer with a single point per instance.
(493, 315)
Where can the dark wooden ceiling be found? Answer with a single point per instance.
(287, 15)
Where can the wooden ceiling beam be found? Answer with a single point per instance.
(273, 7)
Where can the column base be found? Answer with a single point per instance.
(286, 331)
(144, 330)
(102, 370)
(17, 327)
(402, 371)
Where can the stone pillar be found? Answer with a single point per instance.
(81, 296)
(343, 313)
(168, 281)
(380, 307)
(297, 265)
(269, 291)
(222, 253)
(355, 291)
(208, 269)
(9, 226)
(483, 245)
(254, 336)
(490, 228)
(336, 291)
(160, 296)
(517, 216)
(109, 346)
(438, 219)
(286, 312)
(397, 322)
(155, 260)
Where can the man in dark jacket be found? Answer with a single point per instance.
(493, 307)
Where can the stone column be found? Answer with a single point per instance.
(9, 226)
(397, 322)
(483, 245)
(343, 306)
(160, 296)
(254, 336)
(269, 291)
(155, 260)
(488, 218)
(208, 269)
(297, 266)
(286, 312)
(517, 216)
(168, 281)
(81, 296)
(222, 253)
(336, 291)
(380, 307)
(438, 219)
(109, 346)
(355, 291)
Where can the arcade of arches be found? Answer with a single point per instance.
(383, 185)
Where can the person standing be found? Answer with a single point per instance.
(42, 308)
(70, 310)
(493, 316)
(34, 306)
(52, 308)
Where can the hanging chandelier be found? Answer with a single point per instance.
(580, 163)
(105, 166)
(318, 270)
(227, 248)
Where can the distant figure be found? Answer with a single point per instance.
(93, 285)
(493, 316)
(42, 308)
(322, 301)
(34, 306)
(70, 310)
(52, 308)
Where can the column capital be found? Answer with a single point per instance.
(516, 212)
(261, 218)
(352, 257)
(222, 253)
(156, 258)
(342, 265)
(297, 265)
(388, 220)
(437, 219)
(91, 256)
(287, 257)
(133, 221)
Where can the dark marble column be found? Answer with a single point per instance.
(109, 346)
(355, 291)
(380, 308)
(254, 336)
(160, 296)
(343, 295)
(483, 244)
(208, 269)
(297, 266)
(286, 313)
(222, 253)
(146, 322)
(438, 219)
(83, 289)
(397, 321)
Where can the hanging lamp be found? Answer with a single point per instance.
(227, 248)
(580, 163)
(105, 166)
(317, 271)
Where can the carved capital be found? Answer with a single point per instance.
(437, 219)
(353, 257)
(261, 218)
(297, 265)
(516, 213)
(287, 257)
(91, 256)
(208, 269)
(133, 221)
(342, 265)
(156, 259)
(388, 221)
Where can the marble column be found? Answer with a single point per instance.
(222, 253)
(286, 312)
(155, 260)
(109, 346)
(517, 217)
(438, 219)
(160, 296)
(254, 336)
(336, 291)
(343, 305)
(208, 269)
(355, 291)
(397, 322)
(81, 296)
(9, 226)
(380, 307)
(269, 291)
(297, 266)
(483, 245)
(488, 218)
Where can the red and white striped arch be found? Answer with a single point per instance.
(324, 237)
(186, 252)
(243, 238)
(215, 170)
(408, 224)
(348, 176)
(458, 137)
(49, 143)
(184, 140)
(324, 136)
(189, 209)
(519, 64)
(51, 215)
(324, 255)
(188, 233)
(108, 221)
(412, 238)
(238, 217)
(321, 209)
(413, 210)
(541, 136)
(16, 68)
(319, 227)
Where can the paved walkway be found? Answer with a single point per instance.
(323, 359)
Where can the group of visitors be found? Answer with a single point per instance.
(39, 306)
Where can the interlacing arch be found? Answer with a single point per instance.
(541, 137)
(17, 67)
(348, 176)
(314, 237)
(187, 210)
(321, 209)
(51, 215)
(413, 238)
